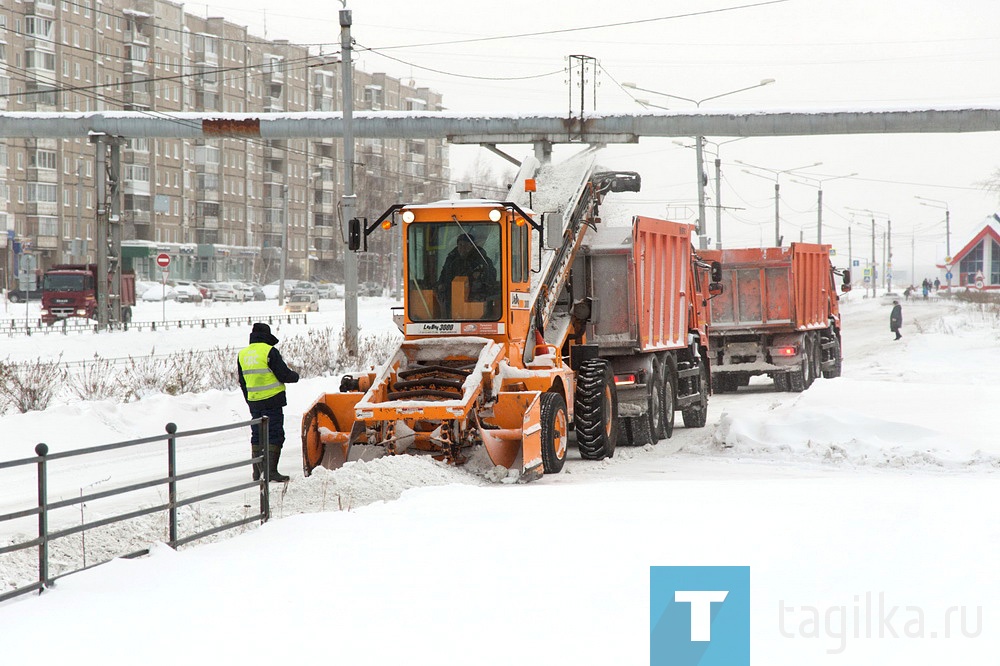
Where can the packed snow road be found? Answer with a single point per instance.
(878, 485)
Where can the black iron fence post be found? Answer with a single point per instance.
(172, 482)
(265, 499)
(41, 451)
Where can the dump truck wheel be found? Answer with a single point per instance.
(781, 381)
(320, 416)
(725, 383)
(596, 415)
(697, 416)
(797, 379)
(838, 361)
(555, 432)
(649, 427)
(669, 396)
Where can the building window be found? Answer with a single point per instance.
(995, 263)
(42, 193)
(971, 264)
(42, 159)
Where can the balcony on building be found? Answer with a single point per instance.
(205, 49)
(136, 151)
(273, 68)
(273, 196)
(40, 7)
(275, 149)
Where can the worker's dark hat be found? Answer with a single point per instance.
(262, 333)
(466, 238)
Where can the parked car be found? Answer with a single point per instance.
(187, 293)
(226, 291)
(369, 289)
(303, 287)
(330, 290)
(20, 295)
(159, 293)
(271, 289)
(244, 290)
(301, 302)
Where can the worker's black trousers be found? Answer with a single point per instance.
(275, 425)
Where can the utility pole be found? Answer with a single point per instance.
(888, 262)
(777, 218)
(850, 253)
(76, 244)
(819, 216)
(947, 245)
(284, 242)
(702, 239)
(348, 197)
(718, 203)
(873, 258)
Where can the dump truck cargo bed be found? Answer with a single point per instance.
(774, 288)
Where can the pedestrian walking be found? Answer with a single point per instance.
(896, 319)
(263, 375)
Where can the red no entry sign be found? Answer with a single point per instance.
(163, 260)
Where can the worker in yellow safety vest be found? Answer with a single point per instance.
(263, 375)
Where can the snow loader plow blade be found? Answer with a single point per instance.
(433, 398)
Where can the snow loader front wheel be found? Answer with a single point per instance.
(596, 415)
(555, 432)
(313, 448)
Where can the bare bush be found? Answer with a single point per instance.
(220, 367)
(31, 385)
(143, 376)
(98, 380)
(185, 374)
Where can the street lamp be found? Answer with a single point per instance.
(718, 183)
(819, 199)
(699, 142)
(777, 190)
(947, 233)
(888, 260)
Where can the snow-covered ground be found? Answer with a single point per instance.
(880, 485)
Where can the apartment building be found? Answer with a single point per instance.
(218, 206)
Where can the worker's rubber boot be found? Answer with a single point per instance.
(273, 475)
(258, 468)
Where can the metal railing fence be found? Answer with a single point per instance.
(44, 507)
(25, 326)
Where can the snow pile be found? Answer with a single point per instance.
(357, 484)
(790, 433)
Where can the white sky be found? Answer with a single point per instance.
(822, 53)
(881, 481)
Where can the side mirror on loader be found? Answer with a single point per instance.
(846, 287)
(715, 289)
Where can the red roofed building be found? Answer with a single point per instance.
(981, 255)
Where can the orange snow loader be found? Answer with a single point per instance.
(494, 353)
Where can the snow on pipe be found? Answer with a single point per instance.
(511, 128)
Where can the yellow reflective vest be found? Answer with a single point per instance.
(260, 381)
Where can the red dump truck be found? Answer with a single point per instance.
(70, 290)
(648, 319)
(778, 316)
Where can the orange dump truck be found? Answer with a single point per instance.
(648, 319)
(778, 316)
